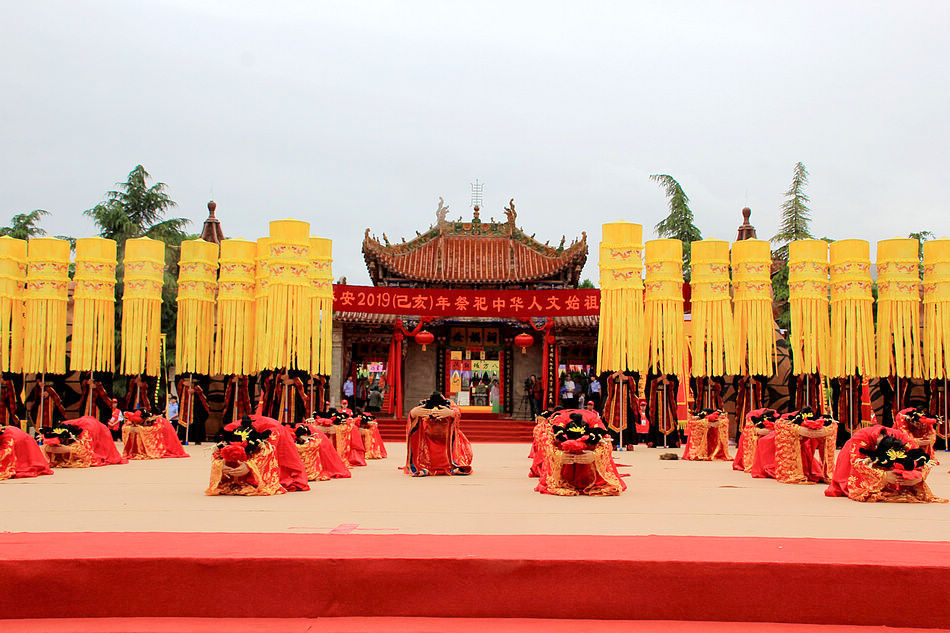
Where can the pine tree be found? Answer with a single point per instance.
(678, 225)
(23, 226)
(796, 216)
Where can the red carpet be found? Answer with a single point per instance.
(811, 581)
(481, 428)
(415, 625)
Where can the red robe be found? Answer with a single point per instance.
(357, 453)
(856, 479)
(103, 448)
(293, 473)
(321, 458)
(599, 478)
(705, 442)
(9, 402)
(928, 433)
(137, 395)
(20, 455)
(237, 399)
(94, 401)
(789, 458)
(435, 445)
(153, 441)
(52, 405)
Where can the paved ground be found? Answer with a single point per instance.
(664, 497)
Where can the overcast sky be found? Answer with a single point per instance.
(361, 114)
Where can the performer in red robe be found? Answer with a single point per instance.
(542, 428)
(758, 423)
(707, 436)
(922, 428)
(44, 404)
(800, 450)
(139, 394)
(577, 457)
(274, 467)
(620, 407)
(356, 456)
(290, 399)
(11, 409)
(372, 439)
(94, 399)
(237, 398)
(435, 445)
(80, 443)
(149, 438)
(317, 452)
(20, 455)
(862, 473)
(193, 409)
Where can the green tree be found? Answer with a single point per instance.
(796, 216)
(921, 237)
(587, 283)
(23, 226)
(137, 210)
(678, 224)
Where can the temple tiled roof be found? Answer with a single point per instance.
(474, 253)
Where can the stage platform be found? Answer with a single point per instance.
(140, 545)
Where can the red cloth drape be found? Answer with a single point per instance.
(392, 401)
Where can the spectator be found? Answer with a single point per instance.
(375, 401)
(567, 392)
(348, 389)
(594, 393)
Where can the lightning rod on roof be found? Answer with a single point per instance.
(477, 188)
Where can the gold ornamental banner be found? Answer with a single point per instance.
(898, 309)
(621, 331)
(321, 305)
(852, 320)
(12, 291)
(93, 339)
(235, 341)
(47, 278)
(808, 303)
(197, 286)
(714, 345)
(664, 306)
(261, 280)
(754, 324)
(937, 309)
(144, 265)
(287, 325)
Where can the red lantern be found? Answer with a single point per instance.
(424, 338)
(524, 341)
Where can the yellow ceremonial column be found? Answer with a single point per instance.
(262, 353)
(12, 282)
(235, 341)
(852, 322)
(808, 303)
(321, 305)
(620, 337)
(47, 277)
(287, 326)
(937, 309)
(714, 345)
(666, 339)
(898, 309)
(144, 264)
(197, 284)
(754, 324)
(93, 339)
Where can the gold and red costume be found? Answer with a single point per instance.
(20, 455)
(790, 457)
(856, 478)
(707, 437)
(275, 467)
(46, 409)
(138, 395)
(95, 400)
(621, 402)
(560, 472)
(193, 408)
(318, 454)
(542, 428)
(921, 428)
(435, 444)
(149, 439)
(758, 422)
(372, 439)
(237, 398)
(92, 446)
(290, 400)
(10, 407)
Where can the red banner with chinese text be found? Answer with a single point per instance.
(444, 303)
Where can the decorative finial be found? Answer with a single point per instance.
(477, 189)
(211, 207)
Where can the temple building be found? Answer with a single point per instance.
(468, 353)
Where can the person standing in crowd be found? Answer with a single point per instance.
(567, 392)
(594, 393)
(362, 393)
(348, 389)
(375, 400)
(172, 413)
(531, 384)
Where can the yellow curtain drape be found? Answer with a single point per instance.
(197, 286)
(754, 324)
(714, 345)
(321, 305)
(621, 331)
(287, 325)
(808, 304)
(261, 279)
(235, 340)
(852, 321)
(47, 279)
(663, 313)
(144, 264)
(12, 291)
(898, 309)
(937, 309)
(93, 338)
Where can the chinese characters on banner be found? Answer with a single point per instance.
(488, 303)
